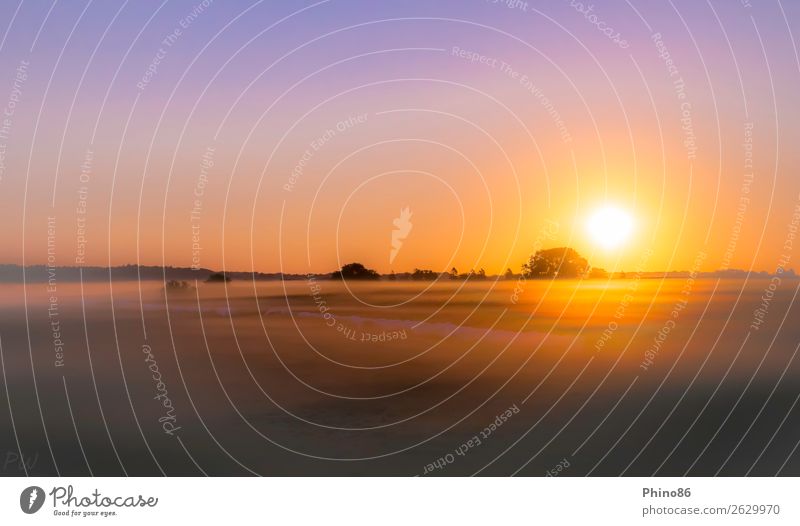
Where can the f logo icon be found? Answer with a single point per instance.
(31, 499)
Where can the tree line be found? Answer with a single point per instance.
(552, 263)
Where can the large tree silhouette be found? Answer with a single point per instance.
(559, 262)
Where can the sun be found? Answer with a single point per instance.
(610, 227)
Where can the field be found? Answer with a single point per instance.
(567, 378)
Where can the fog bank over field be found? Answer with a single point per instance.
(323, 377)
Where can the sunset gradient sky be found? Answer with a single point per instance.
(297, 131)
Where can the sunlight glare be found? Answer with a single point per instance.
(609, 226)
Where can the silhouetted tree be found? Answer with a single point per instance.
(217, 277)
(424, 275)
(559, 262)
(175, 285)
(355, 271)
(454, 273)
(508, 274)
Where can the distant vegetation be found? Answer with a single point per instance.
(10, 273)
(480, 275)
(560, 262)
(424, 275)
(355, 271)
(218, 277)
(175, 285)
(599, 273)
(555, 263)
(545, 264)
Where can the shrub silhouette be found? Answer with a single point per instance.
(424, 275)
(176, 285)
(355, 271)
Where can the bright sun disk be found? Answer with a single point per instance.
(609, 226)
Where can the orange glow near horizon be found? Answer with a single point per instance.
(308, 179)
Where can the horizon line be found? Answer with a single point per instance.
(789, 271)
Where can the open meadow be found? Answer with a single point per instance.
(319, 377)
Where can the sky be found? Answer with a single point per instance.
(288, 136)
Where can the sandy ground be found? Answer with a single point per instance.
(403, 378)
